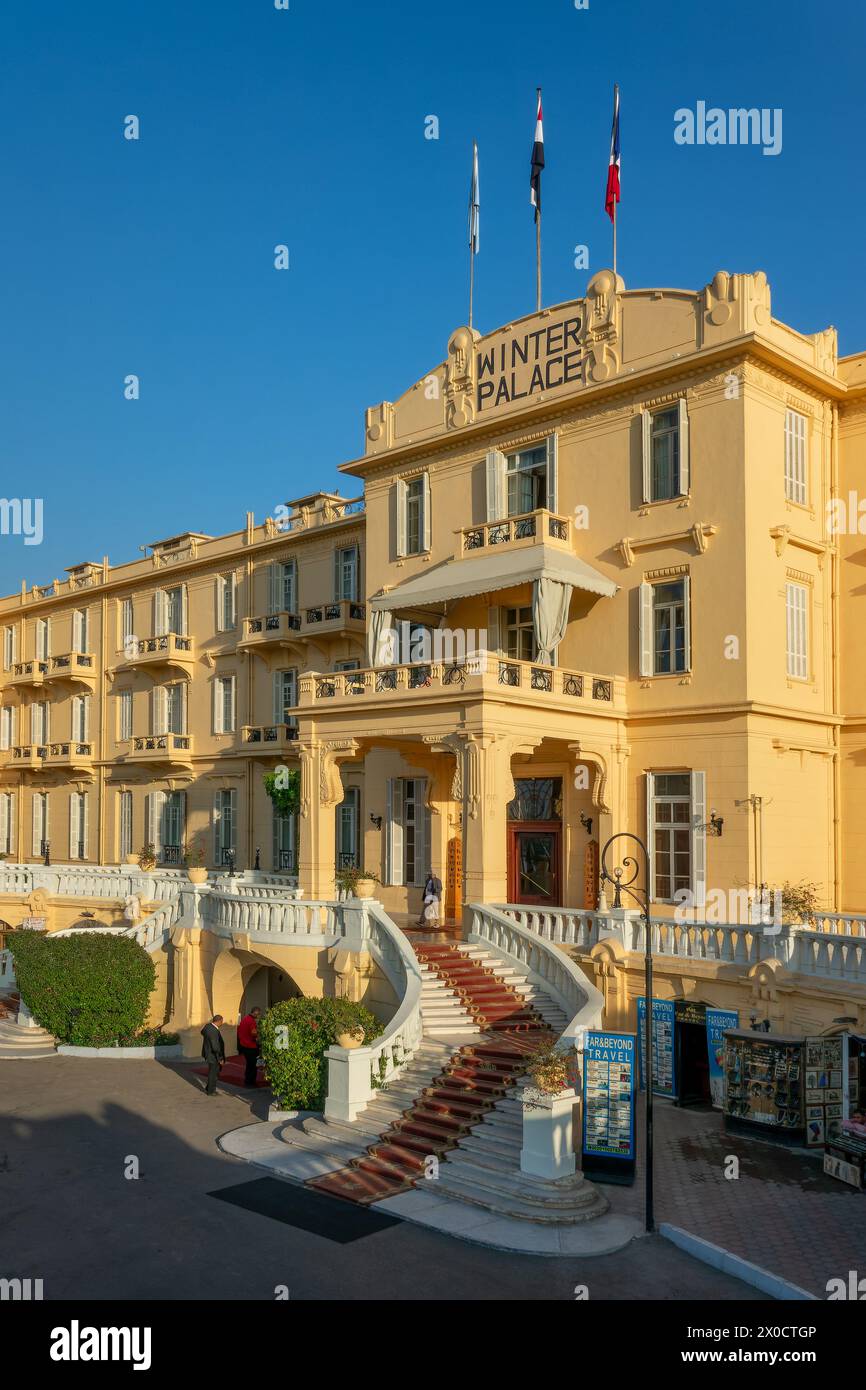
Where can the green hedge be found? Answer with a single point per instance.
(89, 990)
(293, 1038)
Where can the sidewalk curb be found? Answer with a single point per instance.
(723, 1260)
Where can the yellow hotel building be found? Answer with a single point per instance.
(591, 582)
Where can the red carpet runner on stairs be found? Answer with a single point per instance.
(9, 1007)
(470, 1084)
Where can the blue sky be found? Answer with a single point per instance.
(261, 126)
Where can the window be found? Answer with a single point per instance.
(285, 843)
(347, 665)
(665, 453)
(527, 481)
(124, 715)
(80, 717)
(226, 594)
(665, 639)
(43, 639)
(78, 825)
(124, 822)
(348, 829)
(9, 648)
(520, 634)
(413, 515)
(797, 646)
(175, 607)
(173, 828)
(39, 733)
(80, 630)
(7, 726)
(677, 834)
(283, 587)
(407, 847)
(176, 708)
(795, 457)
(224, 705)
(225, 826)
(7, 823)
(40, 824)
(285, 697)
(537, 798)
(346, 574)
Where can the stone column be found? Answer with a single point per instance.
(321, 791)
(487, 787)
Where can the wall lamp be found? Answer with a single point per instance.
(717, 824)
(586, 822)
(376, 820)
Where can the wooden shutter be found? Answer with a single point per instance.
(427, 515)
(159, 710)
(650, 830)
(293, 586)
(13, 726)
(699, 838)
(233, 708)
(184, 610)
(12, 822)
(74, 811)
(46, 722)
(647, 665)
(685, 467)
(217, 705)
(217, 820)
(36, 812)
(275, 599)
(4, 822)
(646, 422)
(401, 491)
(6, 727)
(278, 697)
(233, 826)
(394, 833)
(496, 468)
(160, 613)
(687, 620)
(552, 472)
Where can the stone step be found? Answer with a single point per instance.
(325, 1142)
(587, 1202)
(489, 1143)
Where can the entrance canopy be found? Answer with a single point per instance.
(484, 574)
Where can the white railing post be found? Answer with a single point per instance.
(349, 1086)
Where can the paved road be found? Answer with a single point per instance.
(69, 1129)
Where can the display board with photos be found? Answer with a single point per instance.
(608, 1105)
(824, 1060)
(664, 1023)
(764, 1080)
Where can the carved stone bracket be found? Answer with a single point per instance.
(699, 535)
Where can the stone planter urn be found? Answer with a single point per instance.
(131, 859)
(350, 1041)
(548, 1133)
(197, 875)
(365, 888)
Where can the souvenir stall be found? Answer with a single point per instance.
(764, 1086)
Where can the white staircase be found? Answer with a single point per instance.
(20, 1043)
(442, 1014)
(519, 982)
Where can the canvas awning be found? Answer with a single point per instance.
(496, 569)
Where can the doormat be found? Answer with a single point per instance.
(340, 1222)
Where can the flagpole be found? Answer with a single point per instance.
(538, 262)
(614, 238)
(471, 280)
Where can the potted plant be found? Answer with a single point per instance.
(195, 865)
(357, 883)
(548, 1115)
(552, 1071)
(351, 1039)
(147, 858)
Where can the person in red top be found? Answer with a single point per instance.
(248, 1044)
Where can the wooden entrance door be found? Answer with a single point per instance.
(534, 859)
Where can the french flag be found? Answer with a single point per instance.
(537, 161)
(611, 197)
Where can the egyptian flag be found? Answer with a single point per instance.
(611, 197)
(537, 161)
(474, 205)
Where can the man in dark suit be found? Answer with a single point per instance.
(213, 1051)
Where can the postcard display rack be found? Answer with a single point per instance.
(764, 1086)
(824, 1061)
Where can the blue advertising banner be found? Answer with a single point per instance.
(664, 1079)
(608, 1097)
(717, 1021)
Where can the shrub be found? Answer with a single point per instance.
(293, 1038)
(89, 990)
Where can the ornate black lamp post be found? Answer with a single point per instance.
(623, 877)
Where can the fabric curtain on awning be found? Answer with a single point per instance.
(379, 639)
(489, 572)
(550, 603)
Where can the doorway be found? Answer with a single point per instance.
(692, 1053)
(534, 855)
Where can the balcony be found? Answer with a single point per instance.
(269, 738)
(486, 676)
(72, 667)
(157, 655)
(517, 532)
(29, 757)
(172, 750)
(273, 630)
(27, 674)
(331, 619)
(72, 755)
